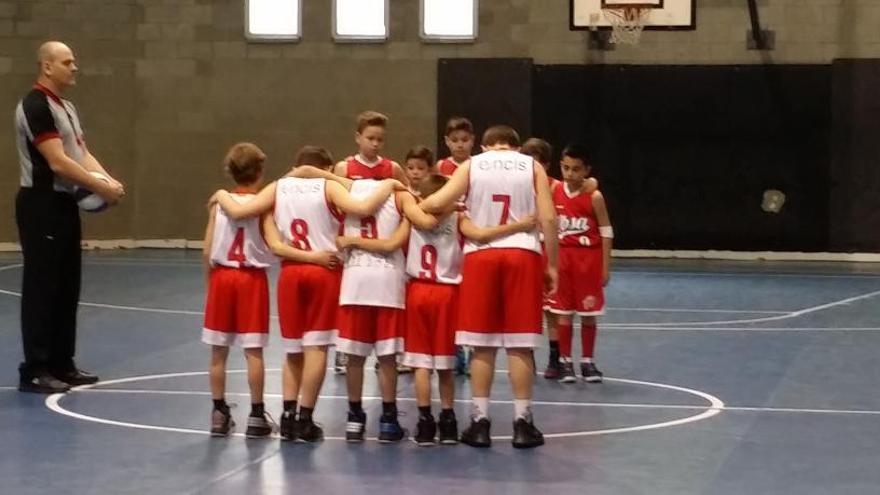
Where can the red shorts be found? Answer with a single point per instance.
(431, 320)
(237, 309)
(501, 294)
(363, 329)
(308, 296)
(580, 283)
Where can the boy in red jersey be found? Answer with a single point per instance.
(237, 306)
(502, 278)
(585, 238)
(459, 138)
(368, 163)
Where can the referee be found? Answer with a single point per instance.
(54, 160)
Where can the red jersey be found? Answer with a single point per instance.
(578, 225)
(355, 169)
(447, 167)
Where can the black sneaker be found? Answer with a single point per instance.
(566, 372)
(552, 371)
(390, 430)
(591, 373)
(308, 431)
(221, 423)
(354, 428)
(288, 428)
(447, 429)
(426, 430)
(42, 383)
(477, 434)
(525, 435)
(75, 377)
(259, 426)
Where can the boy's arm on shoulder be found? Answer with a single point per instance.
(398, 173)
(488, 234)
(259, 204)
(341, 168)
(340, 197)
(419, 219)
(450, 192)
(381, 246)
(279, 248)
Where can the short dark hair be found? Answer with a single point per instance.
(500, 134)
(314, 155)
(538, 149)
(432, 184)
(371, 118)
(459, 124)
(421, 153)
(244, 162)
(577, 151)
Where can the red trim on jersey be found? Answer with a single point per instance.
(46, 136)
(242, 190)
(48, 92)
(355, 169)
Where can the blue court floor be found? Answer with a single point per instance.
(723, 378)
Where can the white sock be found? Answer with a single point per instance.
(586, 360)
(481, 407)
(522, 408)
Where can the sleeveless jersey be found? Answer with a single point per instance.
(355, 169)
(303, 215)
(239, 243)
(502, 189)
(435, 255)
(447, 167)
(578, 226)
(373, 279)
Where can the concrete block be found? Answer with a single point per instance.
(179, 31)
(165, 68)
(230, 49)
(148, 32)
(8, 10)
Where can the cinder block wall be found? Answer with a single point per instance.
(167, 85)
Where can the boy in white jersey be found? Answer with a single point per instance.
(502, 279)
(237, 307)
(302, 230)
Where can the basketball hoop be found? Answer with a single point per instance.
(627, 22)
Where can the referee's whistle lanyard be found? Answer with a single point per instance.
(57, 99)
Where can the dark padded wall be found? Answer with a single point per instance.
(487, 91)
(855, 167)
(684, 153)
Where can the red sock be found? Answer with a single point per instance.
(565, 332)
(588, 339)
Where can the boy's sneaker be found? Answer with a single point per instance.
(259, 426)
(591, 373)
(288, 426)
(447, 429)
(525, 435)
(354, 428)
(552, 371)
(221, 423)
(339, 363)
(477, 434)
(403, 369)
(426, 430)
(390, 430)
(566, 372)
(308, 431)
(461, 361)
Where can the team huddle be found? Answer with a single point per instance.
(406, 261)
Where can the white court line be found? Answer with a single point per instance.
(620, 405)
(235, 471)
(677, 310)
(612, 326)
(714, 407)
(751, 274)
(793, 314)
(8, 388)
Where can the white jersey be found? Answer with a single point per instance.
(373, 279)
(304, 216)
(239, 243)
(501, 189)
(435, 255)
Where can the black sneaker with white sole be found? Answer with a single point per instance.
(590, 373)
(288, 427)
(354, 428)
(447, 428)
(308, 431)
(566, 372)
(221, 423)
(526, 435)
(426, 430)
(259, 426)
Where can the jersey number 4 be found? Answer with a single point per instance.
(236, 250)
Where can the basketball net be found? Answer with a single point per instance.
(627, 23)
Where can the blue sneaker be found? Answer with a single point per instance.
(462, 361)
(390, 430)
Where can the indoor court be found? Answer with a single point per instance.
(734, 141)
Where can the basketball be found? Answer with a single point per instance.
(89, 201)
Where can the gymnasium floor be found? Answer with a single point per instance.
(725, 378)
